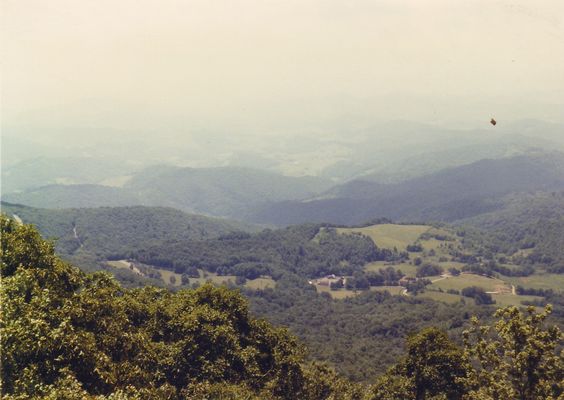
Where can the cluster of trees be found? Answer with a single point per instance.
(517, 358)
(70, 335)
(361, 280)
(429, 269)
(520, 290)
(478, 294)
(111, 232)
(417, 286)
(534, 222)
(414, 248)
(307, 250)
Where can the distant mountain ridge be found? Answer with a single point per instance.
(261, 197)
(448, 195)
(225, 191)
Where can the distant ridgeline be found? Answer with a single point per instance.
(447, 195)
(70, 335)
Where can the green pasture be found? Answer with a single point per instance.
(388, 236)
(466, 280)
(441, 296)
(260, 283)
(539, 281)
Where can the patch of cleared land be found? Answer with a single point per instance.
(124, 264)
(260, 283)
(442, 296)
(388, 236)
(466, 280)
(167, 274)
(539, 281)
(506, 299)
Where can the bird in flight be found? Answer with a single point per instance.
(493, 122)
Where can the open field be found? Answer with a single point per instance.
(167, 274)
(466, 280)
(503, 300)
(124, 264)
(442, 296)
(389, 236)
(451, 264)
(539, 281)
(260, 283)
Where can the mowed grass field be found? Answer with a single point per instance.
(388, 236)
(539, 281)
(466, 280)
(442, 296)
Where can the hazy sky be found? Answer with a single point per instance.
(264, 66)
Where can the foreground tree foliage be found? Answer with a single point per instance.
(517, 358)
(69, 335)
(434, 366)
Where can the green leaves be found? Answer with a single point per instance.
(433, 366)
(516, 358)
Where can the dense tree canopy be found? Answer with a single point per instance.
(70, 335)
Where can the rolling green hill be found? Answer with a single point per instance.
(108, 231)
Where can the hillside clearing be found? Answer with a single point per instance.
(467, 280)
(389, 236)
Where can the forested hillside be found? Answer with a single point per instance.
(532, 223)
(69, 335)
(136, 226)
